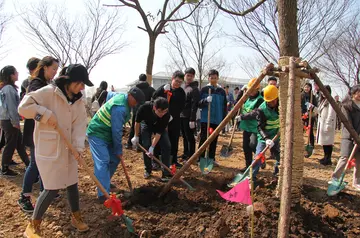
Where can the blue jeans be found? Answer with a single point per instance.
(105, 161)
(164, 144)
(275, 152)
(31, 174)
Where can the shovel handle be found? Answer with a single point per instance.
(127, 175)
(310, 116)
(348, 161)
(208, 124)
(234, 129)
(76, 154)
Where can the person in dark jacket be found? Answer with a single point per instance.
(176, 98)
(218, 110)
(101, 93)
(188, 115)
(148, 91)
(306, 106)
(10, 120)
(42, 75)
(31, 66)
(351, 110)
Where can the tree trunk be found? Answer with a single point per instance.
(150, 58)
(288, 35)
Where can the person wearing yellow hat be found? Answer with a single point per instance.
(268, 125)
(249, 127)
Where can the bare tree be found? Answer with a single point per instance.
(259, 30)
(165, 15)
(84, 39)
(341, 55)
(189, 42)
(4, 20)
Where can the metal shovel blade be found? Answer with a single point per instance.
(225, 151)
(202, 164)
(336, 187)
(309, 149)
(239, 178)
(128, 223)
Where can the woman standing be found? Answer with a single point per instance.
(306, 107)
(326, 126)
(58, 105)
(10, 120)
(100, 95)
(44, 72)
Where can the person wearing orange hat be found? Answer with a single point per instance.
(250, 126)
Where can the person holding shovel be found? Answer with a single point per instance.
(56, 107)
(268, 125)
(218, 111)
(152, 118)
(250, 126)
(105, 132)
(351, 110)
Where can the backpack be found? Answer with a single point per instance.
(95, 105)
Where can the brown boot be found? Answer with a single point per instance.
(78, 223)
(33, 229)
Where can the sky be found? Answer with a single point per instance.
(120, 69)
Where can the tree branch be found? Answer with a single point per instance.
(251, 9)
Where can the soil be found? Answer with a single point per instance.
(200, 213)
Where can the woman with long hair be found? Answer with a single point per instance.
(10, 120)
(55, 107)
(41, 76)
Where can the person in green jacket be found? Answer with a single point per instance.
(250, 126)
(268, 124)
(105, 135)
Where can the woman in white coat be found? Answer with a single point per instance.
(326, 126)
(60, 105)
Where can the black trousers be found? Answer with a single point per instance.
(132, 129)
(13, 140)
(188, 137)
(327, 152)
(203, 132)
(249, 146)
(174, 135)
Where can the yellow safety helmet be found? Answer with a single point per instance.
(270, 93)
(251, 82)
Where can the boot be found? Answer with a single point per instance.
(33, 229)
(78, 223)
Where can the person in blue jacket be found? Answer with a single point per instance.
(218, 109)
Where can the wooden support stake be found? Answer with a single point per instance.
(337, 109)
(216, 132)
(285, 208)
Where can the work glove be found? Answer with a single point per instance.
(135, 140)
(270, 143)
(170, 119)
(309, 105)
(167, 87)
(238, 118)
(192, 125)
(209, 99)
(150, 151)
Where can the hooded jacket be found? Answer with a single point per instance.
(192, 98)
(146, 89)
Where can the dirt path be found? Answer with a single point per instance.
(200, 213)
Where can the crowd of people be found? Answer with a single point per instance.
(159, 117)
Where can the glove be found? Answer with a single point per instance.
(309, 105)
(167, 87)
(135, 140)
(150, 151)
(192, 125)
(209, 99)
(238, 118)
(269, 143)
(170, 119)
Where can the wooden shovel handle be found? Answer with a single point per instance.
(77, 155)
(310, 116)
(208, 124)
(127, 175)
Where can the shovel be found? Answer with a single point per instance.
(112, 201)
(309, 148)
(240, 177)
(226, 149)
(337, 186)
(167, 168)
(207, 164)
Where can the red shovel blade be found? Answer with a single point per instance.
(115, 204)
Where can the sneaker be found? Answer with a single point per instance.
(8, 173)
(25, 203)
(155, 166)
(147, 175)
(58, 196)
(165, 178)
(263, 165)
(13, 163)
(325, 162)
(178, 165)
(128, 147)
(216, 164)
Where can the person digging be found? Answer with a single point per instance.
(268, 125)
(152, 118)
(105, 132)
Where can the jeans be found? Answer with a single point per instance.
(203, 138)
(174, 135)
(105, 161)
(249, 146)
(31, 174)
(188, 137)
(13, 140)
(275, 152)
(165, 147)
